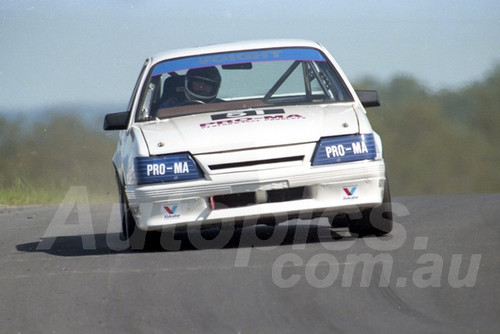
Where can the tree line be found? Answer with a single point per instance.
(444, 142)
(41, 159)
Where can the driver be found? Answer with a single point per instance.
(202, 84)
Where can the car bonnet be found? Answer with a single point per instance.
(252, 128)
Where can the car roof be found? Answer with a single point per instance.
(234, 46)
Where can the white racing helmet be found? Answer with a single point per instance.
(202, 84)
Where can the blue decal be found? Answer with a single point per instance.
(175, 167)
(237, 58)
(344, 149)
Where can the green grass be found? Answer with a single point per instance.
(16, 196)
(21, 196)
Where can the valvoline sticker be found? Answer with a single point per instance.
(350, 193)
(170, 211)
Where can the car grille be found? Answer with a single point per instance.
(252, 198)
(256, 159)
(255, 162)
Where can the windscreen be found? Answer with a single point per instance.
(239, 80)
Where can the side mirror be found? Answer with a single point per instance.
(368, 98)
(116, 121)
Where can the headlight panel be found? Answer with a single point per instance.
(167, 168)
(331, 150)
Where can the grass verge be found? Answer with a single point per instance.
(17, 196)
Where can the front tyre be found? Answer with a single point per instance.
(374, 221)
(135, 236)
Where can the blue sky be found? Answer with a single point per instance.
(55, 52)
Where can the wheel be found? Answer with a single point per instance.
(135, 236)
(339, 221)
(374, 221)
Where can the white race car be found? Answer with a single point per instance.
(248, 131)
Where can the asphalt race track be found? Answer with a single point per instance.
(63, 269)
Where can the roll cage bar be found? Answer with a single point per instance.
(311, 71)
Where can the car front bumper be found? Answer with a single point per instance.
(325, 190)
